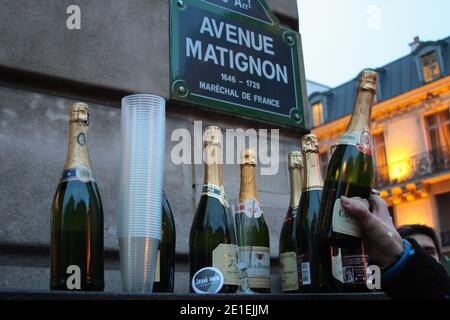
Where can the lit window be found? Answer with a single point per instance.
(438, 128)
(317, 114)
(430, 67)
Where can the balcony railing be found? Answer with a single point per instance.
(417, 167)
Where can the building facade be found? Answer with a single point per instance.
(411, 134)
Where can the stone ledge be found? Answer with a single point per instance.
(62, 295)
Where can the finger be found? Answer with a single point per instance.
(356, 208)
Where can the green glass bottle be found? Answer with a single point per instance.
(288, 235)
(77, 216)
(258, 272)
(312, 274)
(212, 249)
(165, 263)
(350, 171)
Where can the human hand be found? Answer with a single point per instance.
(382, 241)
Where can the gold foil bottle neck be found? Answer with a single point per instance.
(368, 80)
(333, 148)
(295, 160)
(212, 136)
(310, 143)
(248, 156)
(79, 112)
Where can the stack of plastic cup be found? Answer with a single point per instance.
(141, 185)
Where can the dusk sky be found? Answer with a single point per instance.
(342, 37)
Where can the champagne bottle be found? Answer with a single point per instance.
(311, 272)
(258, 272)
(288, 237)
(212, 252)
(77, 216)
(350, 171)
(165, 262)
(348, 266)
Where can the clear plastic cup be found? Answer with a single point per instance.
(141, 184)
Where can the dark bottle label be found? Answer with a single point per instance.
(350, 268)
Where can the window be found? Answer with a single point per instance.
(381, 164)
(443, 203)
(430, 67)
(438, 128)
(317, 114)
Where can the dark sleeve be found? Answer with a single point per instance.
(421, 277)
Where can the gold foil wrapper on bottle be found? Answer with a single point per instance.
(295, 160)
(310, 143)
(248, 156)
(212, 136)
(79, 112)
(368, 80)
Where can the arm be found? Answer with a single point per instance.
(407, 274)
(420, 276)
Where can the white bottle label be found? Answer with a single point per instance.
(258, 272)
(343, 222)
(289, 275)
(158, 268)
(336, 267)
(224, 258)
(306, 273)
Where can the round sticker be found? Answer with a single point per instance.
(207, 281)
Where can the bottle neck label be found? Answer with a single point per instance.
(77, 153)
(248, 183)
(312, 175)
(312, 188)
(212, 190)
(296, 181)
(82, 173)
(250, 207)
(361, 140)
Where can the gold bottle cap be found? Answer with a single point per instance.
(368, 80)
(79, 112)
(212, 136)
(248, 156)
(295, 160)
(310, 143)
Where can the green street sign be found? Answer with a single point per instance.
(233, 55)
